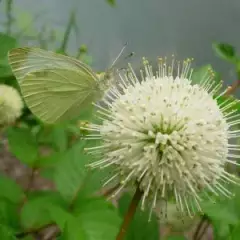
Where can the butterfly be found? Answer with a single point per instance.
(56, 87)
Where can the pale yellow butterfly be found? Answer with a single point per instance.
(56, 87)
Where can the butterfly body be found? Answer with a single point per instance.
(55, 87)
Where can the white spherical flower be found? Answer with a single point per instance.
(168, 135)
(11, 104)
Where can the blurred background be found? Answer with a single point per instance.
(185, 28)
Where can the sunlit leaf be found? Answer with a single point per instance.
(35, 212)
(98, 218)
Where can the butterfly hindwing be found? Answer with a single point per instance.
(54, 95)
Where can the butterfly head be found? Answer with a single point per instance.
(105, 80)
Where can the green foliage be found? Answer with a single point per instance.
(98, 218)
(140, 228)
(6, 43)
(226, 52)
(71, 175)
(10, 190)
(35, 212)
(23, 145)
(6, 233)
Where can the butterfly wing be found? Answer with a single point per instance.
(26, 60)
(54, 87)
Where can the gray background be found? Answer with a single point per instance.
(185, 28)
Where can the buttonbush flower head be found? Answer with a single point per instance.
(11, 104)
(167, 135)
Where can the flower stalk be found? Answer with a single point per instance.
(130, 214)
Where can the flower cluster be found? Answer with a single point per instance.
(167, 135)
(11, 104)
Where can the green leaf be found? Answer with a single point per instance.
(23, 145)
(6, 233)
(59, 216)
(236, 233)
(55, 135)
(221, 212)
(98, 218)
(10, 190)
(35, 212)
(140, 228)
(202, 73)
(71, 174)
(48, 161)
(74, 231)
(9, 214)
(6, 43)
(28, 238)
(111, 2)
(225, 51)
(221, 230)
(230, 99)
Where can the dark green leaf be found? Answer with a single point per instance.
(10, 190)
(6, 233)
(9, 214)
(28, 238)
(230, 99)
(225, 51)
(6, 43)
(35, 212)
(140, 228)
(23, 145)
(221, 230)
(5, 70)
(98, 218)
(236, 233)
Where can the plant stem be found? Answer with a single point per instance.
(234, 86)
(9, 4)
(199, 227)
(66, 36)
(110, 191)
(130, 213)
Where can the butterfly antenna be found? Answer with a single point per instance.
(119, 55)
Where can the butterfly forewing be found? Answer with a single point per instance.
(27, 60)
